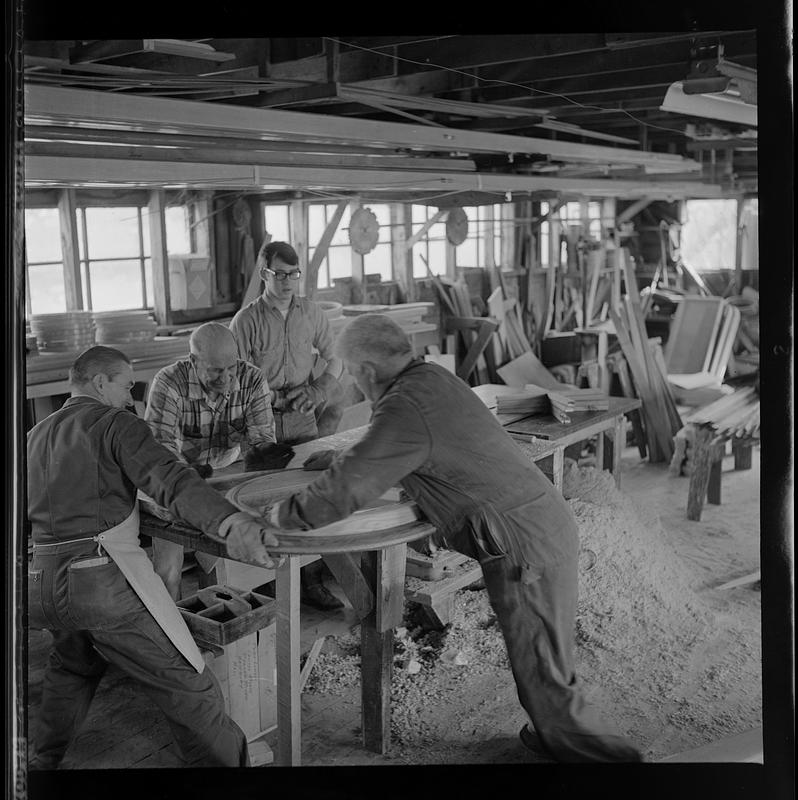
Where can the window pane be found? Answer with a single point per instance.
(178, 239)
(437, 257)
(315, 223)
(276, 222)
(112, 232)
(115, 285)
(466, 253)
(46, 287)
(42, 235)
(382, 213)
(418, 214)
(709, 234)
(148, 276)
(340, 259)
(379, 260)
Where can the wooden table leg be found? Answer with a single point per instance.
(557, 462)
(619, 440)
(289, 747)
(699, 478)
(385, 571)
(600, 450)
(741, 449)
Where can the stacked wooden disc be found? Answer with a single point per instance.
(69, 331)
(123, 327)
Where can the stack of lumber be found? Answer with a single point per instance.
(733, 416)
(530, 400)
(661, 420)
(409, 316)
(566, 401)
(161, 351)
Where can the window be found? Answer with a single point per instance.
(338, 261)
(432, 246)
(46, 293)
(277, 222)
(709, 233)
(473, 252)
(380, 259)
(116, 268)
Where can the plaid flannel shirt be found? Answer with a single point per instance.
(201, 430)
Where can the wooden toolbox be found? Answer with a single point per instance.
(219, 615)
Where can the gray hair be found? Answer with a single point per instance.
(94, 361)
(375, 338)
(208, 336)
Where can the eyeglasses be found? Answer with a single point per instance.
(284, 276)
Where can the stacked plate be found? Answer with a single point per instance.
(69, 331)
(123, 327)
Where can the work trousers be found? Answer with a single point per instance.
(535, 605)
(97, 619)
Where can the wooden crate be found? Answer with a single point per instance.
(435, 567)
(219, 615)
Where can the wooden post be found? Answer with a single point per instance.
(741, 449)
(384, 570)
(289, 748)
(299, 238)
(70, 251)
(618, 444)
(356, 259)
(401, 255)
(160, 259)
(699, 479)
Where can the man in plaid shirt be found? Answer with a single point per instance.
(207, 409)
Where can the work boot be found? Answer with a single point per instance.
(319, 596)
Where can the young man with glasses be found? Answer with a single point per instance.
(278, 333)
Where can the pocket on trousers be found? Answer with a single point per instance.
(98, 594)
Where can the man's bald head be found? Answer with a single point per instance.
(215, 356)
(212, 339)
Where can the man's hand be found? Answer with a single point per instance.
(203, 470)
(248, 540)
(307, 397)
(267, 456)
(321, 459)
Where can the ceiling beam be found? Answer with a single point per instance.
(223, 154)
(51, 105)
(70, 171)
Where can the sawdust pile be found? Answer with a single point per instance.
(639, 624)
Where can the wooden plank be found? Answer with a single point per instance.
(692, 331)
(433, 591)
(310, 660)
(527, 368)
(289, 750)
(70, 251)
(345, 568)
(743, 581)
(746, 747)
(321, 248)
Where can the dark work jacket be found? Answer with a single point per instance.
(85, 462)
(431, 435)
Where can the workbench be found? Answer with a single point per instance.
(545, 436)
(370, 568)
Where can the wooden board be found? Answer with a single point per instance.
(692, 335)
